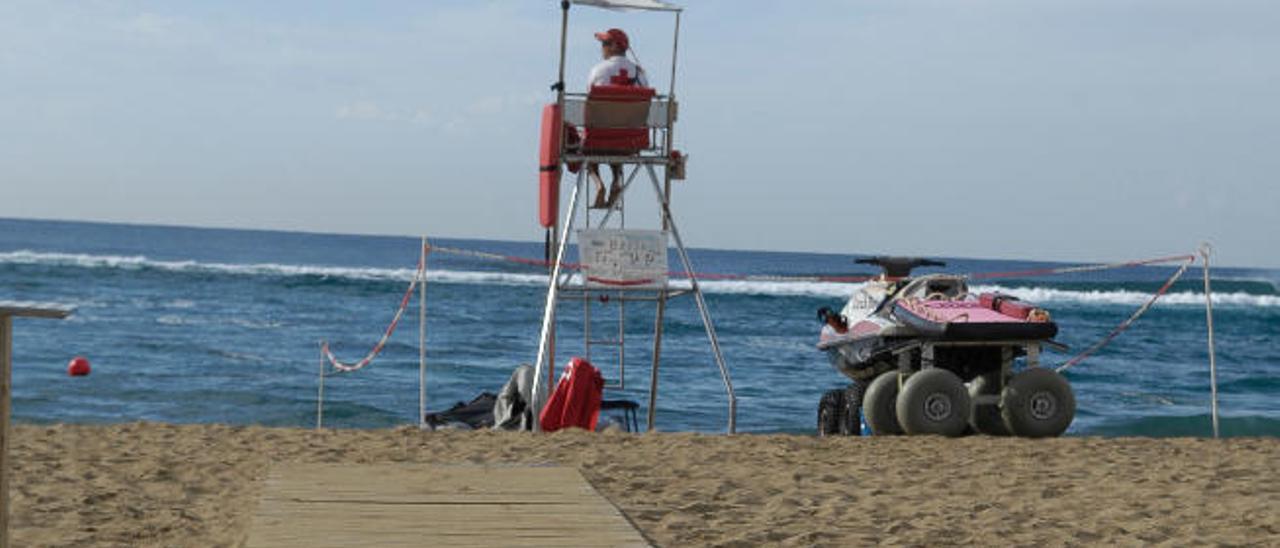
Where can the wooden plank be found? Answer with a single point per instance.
(35, 310)
(317, 505)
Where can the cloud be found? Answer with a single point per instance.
(493, 105)
(488, 109)
(362, 110)
(370, 111)
(151, 24)
(422, 116)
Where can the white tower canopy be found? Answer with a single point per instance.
(651, 5)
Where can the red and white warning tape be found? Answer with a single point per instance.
(830, 279)
(500, 257)
(1187, 262)
(419, 274)
(1075, 269)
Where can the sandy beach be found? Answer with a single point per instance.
(145, 484)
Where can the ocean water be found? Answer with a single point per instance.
(192, 325)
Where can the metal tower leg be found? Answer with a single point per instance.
(697, 295)
(657, 353)
(549, 313)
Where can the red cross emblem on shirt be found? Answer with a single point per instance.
(622, 79)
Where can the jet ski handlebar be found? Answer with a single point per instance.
(898, 267)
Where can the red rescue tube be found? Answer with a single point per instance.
(1007, 305)
(549, 166)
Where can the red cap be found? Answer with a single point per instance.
(616, 36)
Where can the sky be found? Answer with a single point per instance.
(1073, 130)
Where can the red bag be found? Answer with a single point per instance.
(576, 399)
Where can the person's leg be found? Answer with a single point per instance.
(593, 172)
(615, 188)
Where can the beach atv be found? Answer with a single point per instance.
(928, 357)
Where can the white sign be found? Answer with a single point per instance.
(624, 258)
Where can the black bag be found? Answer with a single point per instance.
(475, 415)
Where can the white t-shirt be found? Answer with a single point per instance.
(616, 70)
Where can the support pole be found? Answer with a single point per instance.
(546, 340)
(702, 303)
(320, 391)
(7, 312)
(552, 243)
(675, 48)
(564, 37)
(657, 354)
(1205, 251)
(6, 366)
(622, 341)
(422, 337)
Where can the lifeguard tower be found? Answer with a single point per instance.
(621, 263)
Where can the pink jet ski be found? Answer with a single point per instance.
(926, 356)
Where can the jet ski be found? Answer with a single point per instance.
(899, 325)
(896, 308)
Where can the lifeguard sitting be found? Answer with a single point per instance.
(615, 70)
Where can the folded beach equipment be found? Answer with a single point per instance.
(576, 399)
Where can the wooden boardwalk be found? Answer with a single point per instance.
(318, 505)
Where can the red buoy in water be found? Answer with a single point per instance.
(78, 367)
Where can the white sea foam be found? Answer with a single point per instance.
(1041, 295)
(139, 262)
(833, 290)
(1046, 295)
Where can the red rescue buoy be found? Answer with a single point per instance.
(78, 367)
(549, 166)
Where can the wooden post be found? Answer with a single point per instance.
(8, 310)
(6, 364)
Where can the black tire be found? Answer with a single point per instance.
(830, 409)
(879, 405)
(1038, 403)
(851, 418)
(985, 418)
(934, 401)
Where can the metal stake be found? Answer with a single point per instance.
(422, 338)
(1205, 251)
(320, 391)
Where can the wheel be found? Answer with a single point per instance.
(830, 408)
(851, 415)
(985, 418)
(934, 401)
(879, 405)
(1037, 403)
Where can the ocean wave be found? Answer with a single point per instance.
(1040, 295)
(834, 290)
(1259, 279)
(1046, 295)
(1199, 425)
(139, 262)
